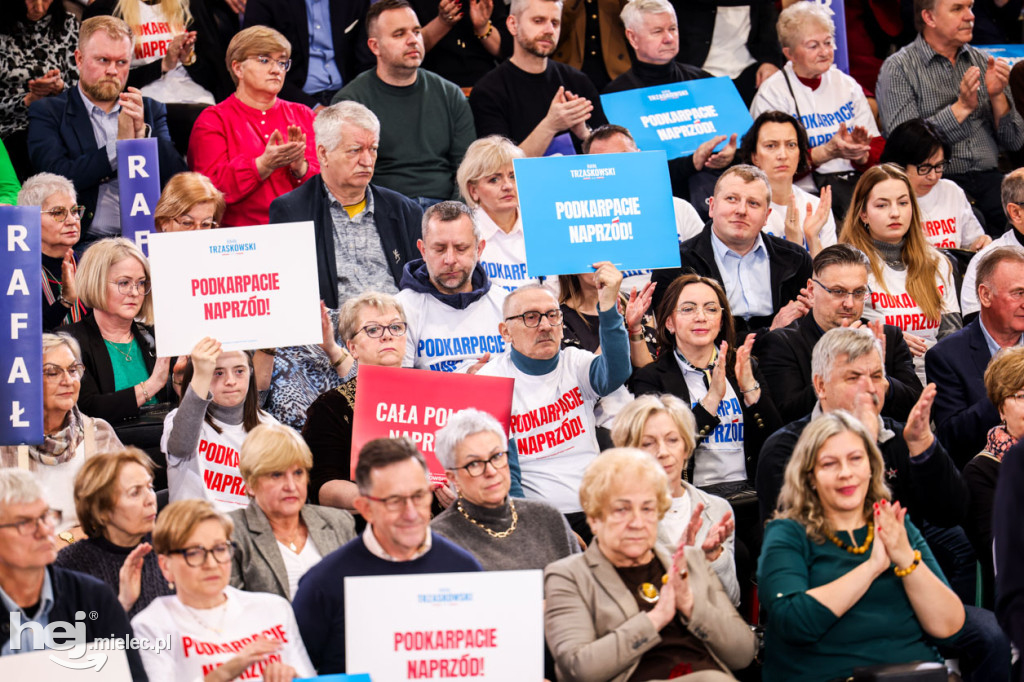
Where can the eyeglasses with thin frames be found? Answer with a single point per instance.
(531, 318)
(51, 517)
(843, 294)
(62, 213)
(52, 372)
(375, 331)
(126, 286)
(188, 223)
(264, 60)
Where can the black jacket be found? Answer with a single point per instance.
(75, 592)
(785, 356)
(398, 224)
(760, 420)
(697, 26)
(1008, 538)
(931, 490)
(348, 34)
(789, 264)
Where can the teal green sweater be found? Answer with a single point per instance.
(424, 131)
(9, 185)
(806, 641)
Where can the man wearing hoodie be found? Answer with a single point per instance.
(452, 310)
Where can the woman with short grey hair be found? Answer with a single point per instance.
(502, 533)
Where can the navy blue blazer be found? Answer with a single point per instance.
(962, 411)
(61, 141)
(397, 217)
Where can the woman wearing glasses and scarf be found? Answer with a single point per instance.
(216, 631)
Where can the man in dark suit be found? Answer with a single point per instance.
(75, 134)
(963, 412)
(365, 234)
(837, 289)
(733, 250)
(327, 53)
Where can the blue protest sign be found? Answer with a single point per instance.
(838, 10)
(1011, 53)
(138, 173)
(681, 116)
(21, 338)
(578, 210)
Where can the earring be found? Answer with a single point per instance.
(170, 585)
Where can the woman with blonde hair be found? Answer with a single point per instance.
(845, 578)
(189, 201)
(911, 284)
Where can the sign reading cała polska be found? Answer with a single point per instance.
(679, 117)
(480, 626)
(247, 287)
(21, 341)
(579, 210)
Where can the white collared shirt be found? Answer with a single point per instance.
(377, 550)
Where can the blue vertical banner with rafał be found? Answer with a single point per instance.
(138, 173)
(21, 338)
(580, 210)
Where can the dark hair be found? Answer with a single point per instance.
(921, 6)
(381, 452)
(913, 142)
(14, 16)
(607, 131)
(839, 254)
(727, 330)
(250, 410)
(379, 8)
(748, 145)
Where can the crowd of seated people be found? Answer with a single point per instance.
(793, 443)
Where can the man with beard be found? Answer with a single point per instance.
(75, 134)
(542, 105)
(452, 310)
(425, 121)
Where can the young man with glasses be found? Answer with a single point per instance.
(394, 498)
(553, 432)
(838, 289)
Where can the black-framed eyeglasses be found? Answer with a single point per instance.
(375, 331)
(52, 372)
(499, 460)
(264, 60)
(926, 168)
(126, 286)
(394, 503)
(188, 223)
(61, 213)
(531, 318)
(51, 517)
(196, 556)
(843, 294)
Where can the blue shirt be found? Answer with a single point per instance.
(323, 71)
(42, 617)
(107, 221)
(746, 278)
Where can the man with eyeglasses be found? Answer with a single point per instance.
(35, 592)
(963, 412)
(394, 498)
(74, 134)
(452, 308)
(553, 433)
(838, 288)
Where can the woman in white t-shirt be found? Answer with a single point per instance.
(947, 218)
(777, 144)
(910, 282)
(216, 632)
(203, 436)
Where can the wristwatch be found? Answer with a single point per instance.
(66, 536)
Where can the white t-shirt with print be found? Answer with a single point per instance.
(504, 256)
(776, 223)
(152, 37)
(719, 457)
(947, 218)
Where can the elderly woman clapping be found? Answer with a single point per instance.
(626, 610)
(847, 580)
(502, 533)
(280, 537)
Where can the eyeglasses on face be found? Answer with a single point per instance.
(375, 331)
(187, 223)
(396, 503)
(52, 372)
(690, 309)
(51, 517)
(498, 460)
(126, 286)
(926, 168)
(61, 213)
(264, 60)
(531, 318)
(196, 556)
(843, 294)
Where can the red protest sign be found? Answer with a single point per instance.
(393, 402)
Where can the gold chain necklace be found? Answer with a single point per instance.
(223, 614)
(860, 549)
(117, 346)
(493, 534)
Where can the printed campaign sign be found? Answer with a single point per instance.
(486, 626)
(138, 172)
(579, 210)
(393, 402)
(21, 341)
(247, 287)
(1011, 53)
(679, 117)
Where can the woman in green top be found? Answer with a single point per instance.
(118, 351)
(845, 577)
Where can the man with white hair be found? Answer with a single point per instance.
(38, 594)
(365, 234)
(652, 29)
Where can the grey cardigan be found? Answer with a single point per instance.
(257, 565)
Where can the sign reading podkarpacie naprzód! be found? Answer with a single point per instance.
(680, 117)
(579, 210)
(247, 287)
(489, 626)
